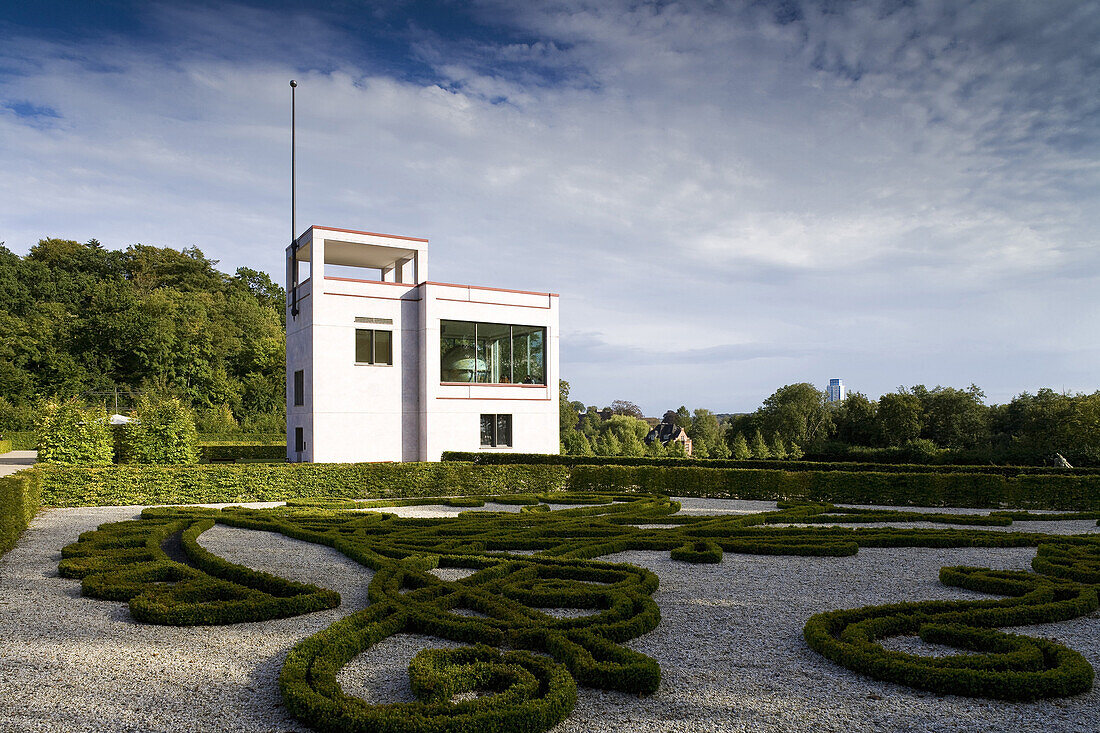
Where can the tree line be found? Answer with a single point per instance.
(80, 320)
(914, 424)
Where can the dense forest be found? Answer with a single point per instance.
(80, 320)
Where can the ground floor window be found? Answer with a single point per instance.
(299, 440)
(496, 431)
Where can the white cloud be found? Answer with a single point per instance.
(890, 198)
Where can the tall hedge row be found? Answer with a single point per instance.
(1069, 493)
(129, 484)
(209, 483)
(20, 497)
(22, 440)
(850, 466)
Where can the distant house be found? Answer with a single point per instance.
(667, 432)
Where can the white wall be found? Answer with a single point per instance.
(356, 412)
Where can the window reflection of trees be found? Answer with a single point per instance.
(492, 353)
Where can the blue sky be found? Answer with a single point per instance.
(728, 196)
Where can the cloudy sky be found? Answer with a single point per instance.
(729, 196)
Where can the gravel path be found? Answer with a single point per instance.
(730, 644)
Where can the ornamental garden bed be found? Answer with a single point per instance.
(728, 644)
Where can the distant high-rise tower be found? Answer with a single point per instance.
(837, 392)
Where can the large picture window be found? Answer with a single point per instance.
(496, 431)
(491, 353)
(373, 347)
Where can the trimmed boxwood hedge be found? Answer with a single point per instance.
(115, 485)
(157, 564)
(20, 497)
(551, 459)
(1007, 666)
(132, 484)
(897, 489)
(5, 446)
(229, 451)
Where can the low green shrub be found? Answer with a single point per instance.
(128, 561)
(699, 551)
(897, 489)
(213, 452)
(70, 433)
(20, 497)
(1007, 666)
(787, 465)
(136, 484)
(5, 446)
(162, 432)
(158, 566)
(22, 440)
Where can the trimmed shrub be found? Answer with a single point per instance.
(852, 467)
(225, 451)
(134, 484)
(71, 434)
(1066, 493)
(20, 497)
(5, 446)
(22, 440)
(162, 432)
(157, 565)
(1008, 666)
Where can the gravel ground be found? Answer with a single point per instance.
(730, 644)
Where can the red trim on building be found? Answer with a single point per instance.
(375, 297)
(490, 302)
(483, 287)
(506, 399)
(372, 282)
(369, 234)
(491, 384)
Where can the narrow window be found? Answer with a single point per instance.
(299, 440)
(299, 387)
(496, 431)
(373, 347)
(364, 346)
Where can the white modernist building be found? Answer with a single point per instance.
(384, 365)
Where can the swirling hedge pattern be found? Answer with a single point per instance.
(157, 565)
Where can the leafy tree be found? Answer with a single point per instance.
(778, 448)
(623, 407)
(576, 443)
(162, 431)
(69, 433)
(739, 448)
(798, 413)
(683, 418)
(759, 448)
(854, 420)
(706, 436)
(954, 418)
(899, 418)
(77, 318)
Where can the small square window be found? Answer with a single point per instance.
(373, 347)
(496, 431)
